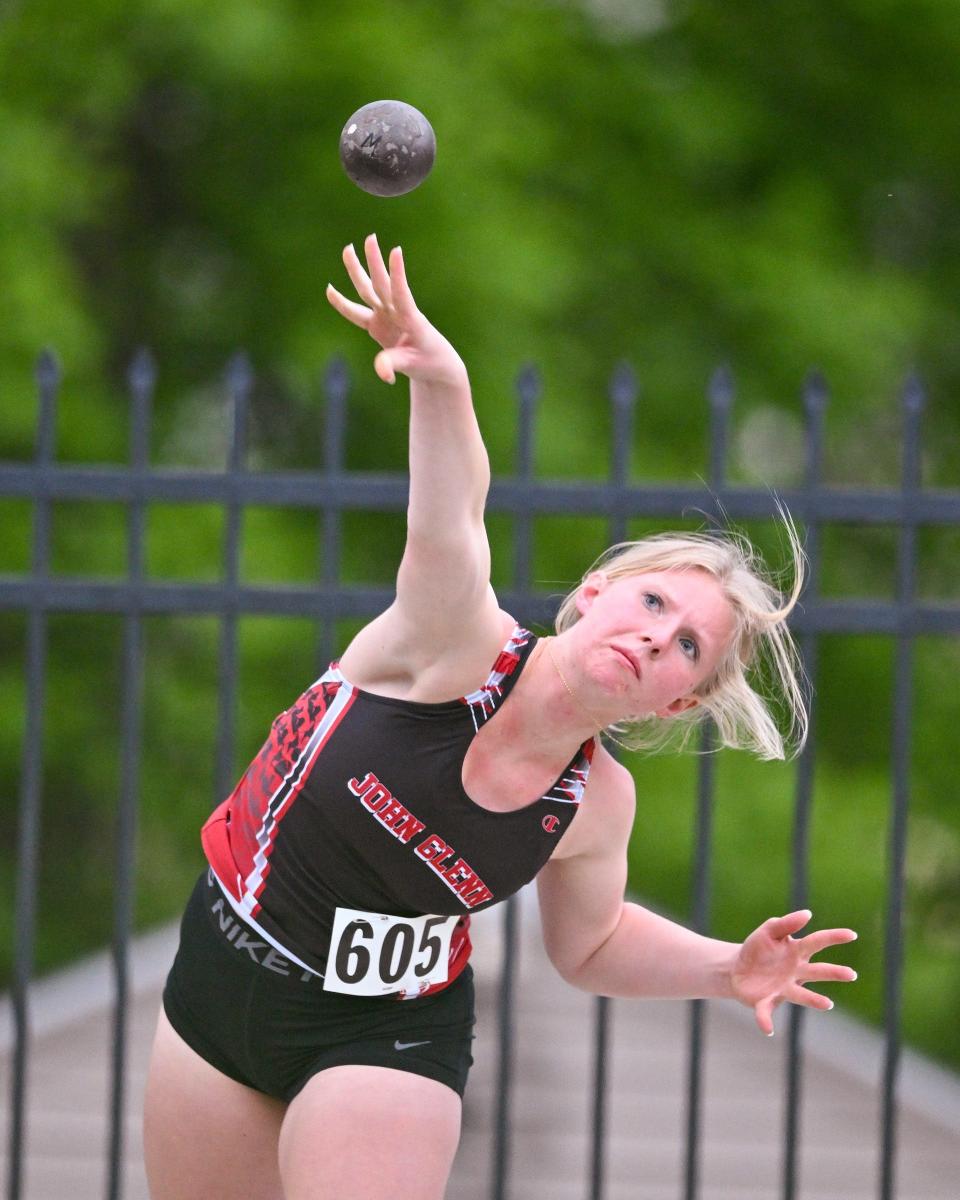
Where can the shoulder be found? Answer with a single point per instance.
(606, 812)
(389, 658)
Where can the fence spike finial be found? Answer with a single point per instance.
(816, 392)
(142, 371)
(914, 394)
(239, 374)
(48, 369)
(529, 383)
(720, 389)
(623, 385)
(336, 378)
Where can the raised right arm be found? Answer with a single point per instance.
(443, 584)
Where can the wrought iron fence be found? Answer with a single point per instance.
(332, 491)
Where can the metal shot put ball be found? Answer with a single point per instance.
(387, 148)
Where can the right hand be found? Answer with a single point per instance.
(410, 344)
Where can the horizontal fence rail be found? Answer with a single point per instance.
(365, 491)
(332, 490)
(329, 603)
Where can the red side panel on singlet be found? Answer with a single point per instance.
(241, 832)
(356, 800)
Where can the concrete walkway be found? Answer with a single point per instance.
(68, 1094)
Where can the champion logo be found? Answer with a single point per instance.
(550, 823)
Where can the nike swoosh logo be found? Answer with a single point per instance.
(409, 1045)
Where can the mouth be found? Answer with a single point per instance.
(627, 659)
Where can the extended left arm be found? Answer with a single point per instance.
(604, 944)
(649, 955)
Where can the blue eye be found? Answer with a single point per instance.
(652, 601)
(690, 648)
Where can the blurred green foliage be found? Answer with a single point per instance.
(672, 182)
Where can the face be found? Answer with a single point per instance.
(647, 641)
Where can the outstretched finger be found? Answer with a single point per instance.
(813, 943)
(818, 972)
(356, 313)
(783, 927)
(359, 278)
(763, 1011)
(802, 995)
(403, 300)
(378, 269)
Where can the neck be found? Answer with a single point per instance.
(596, 722)
(544, 714)
(594, 719)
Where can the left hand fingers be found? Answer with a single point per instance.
(782, 927)
(763, 1011)
(813, 943)
(801, 995)
(825, 973)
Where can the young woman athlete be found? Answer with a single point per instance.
(315, 1033)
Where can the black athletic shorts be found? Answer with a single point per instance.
(257, 1018)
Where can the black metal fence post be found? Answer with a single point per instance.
(720, 396)
(28, 842)
(528, 393)
(913, 400)
(623, 399)
(336, 387)
(814, 401)
(239, 383)
(141, 379)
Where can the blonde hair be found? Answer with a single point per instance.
(761, 644)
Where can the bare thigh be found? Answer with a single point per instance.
(206, 1137)
(366, 1133)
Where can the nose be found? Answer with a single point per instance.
(651, 644)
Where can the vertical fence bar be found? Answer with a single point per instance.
(528, 392)
(720, 398)
(601, 1042)
(336, 386)
(623, 396)
(814, 401)
(913, 401)
(28, 840)
(239, 379)
(700, 922)
(505, 1005)
(623, 401)
(141, 378)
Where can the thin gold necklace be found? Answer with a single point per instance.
(579, 703)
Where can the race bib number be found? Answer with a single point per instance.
(373, 954)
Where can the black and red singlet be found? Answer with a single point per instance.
(356, 801)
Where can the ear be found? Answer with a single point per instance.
(675, 707)
(590, 589)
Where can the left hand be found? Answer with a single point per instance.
(773, 966)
